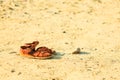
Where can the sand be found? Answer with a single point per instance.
(62, 25)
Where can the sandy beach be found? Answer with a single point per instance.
(62, 25)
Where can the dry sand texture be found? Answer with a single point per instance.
(64, 25)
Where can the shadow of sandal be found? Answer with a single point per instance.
(58, 55)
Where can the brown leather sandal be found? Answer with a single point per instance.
(28, 50)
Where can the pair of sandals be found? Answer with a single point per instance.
(28, 50)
